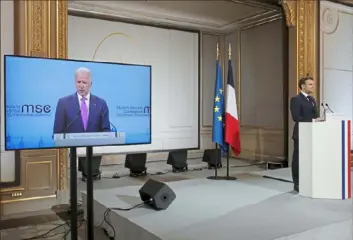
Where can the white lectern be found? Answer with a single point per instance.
(325, 159)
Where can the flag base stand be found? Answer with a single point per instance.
(229, 178)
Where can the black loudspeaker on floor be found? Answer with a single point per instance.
(178, 160)
(213, 157)
(136, 162)
(157, 194)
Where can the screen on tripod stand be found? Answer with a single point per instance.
(56, 103)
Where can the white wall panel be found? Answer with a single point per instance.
(183, 93)
(209, 55)
(7, 159)
(336, 57)
(174, 58)
(261, 70)
(340, 93)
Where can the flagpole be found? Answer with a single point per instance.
(229, 58)
(227, 177)
(215, 176)
(216, 163)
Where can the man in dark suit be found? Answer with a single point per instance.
(303, 108)
(82, 112)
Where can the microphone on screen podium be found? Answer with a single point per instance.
(111, 124)
(72, 121)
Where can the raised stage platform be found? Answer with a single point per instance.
(250, 208)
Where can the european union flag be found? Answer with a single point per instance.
(218, 110)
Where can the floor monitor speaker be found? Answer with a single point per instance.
(157, 194)
(213, 157)
(136, 162)
(178, 159)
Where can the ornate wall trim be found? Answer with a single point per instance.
(61, 52)
(289, 8)
(41, 31)
(304, 17)
(329, 19)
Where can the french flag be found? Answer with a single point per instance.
(232, 126)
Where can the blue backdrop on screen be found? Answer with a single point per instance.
(33, 87)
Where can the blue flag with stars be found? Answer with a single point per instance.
(218, 110)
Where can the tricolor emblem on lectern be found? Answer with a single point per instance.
(346, 133)
(325, 159)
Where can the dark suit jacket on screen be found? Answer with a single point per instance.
(302, 110)
(68, 118)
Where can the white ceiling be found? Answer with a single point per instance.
(222, 15)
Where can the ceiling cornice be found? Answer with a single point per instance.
(257, 3)
(129, 15)
(344, 2)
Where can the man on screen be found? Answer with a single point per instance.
(82, 112)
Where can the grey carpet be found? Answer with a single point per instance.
(341, 231)
(251, 208)
(276, 217)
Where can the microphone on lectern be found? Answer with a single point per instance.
(111, 124)
(72, 121)
(328, 107)
(323, 106)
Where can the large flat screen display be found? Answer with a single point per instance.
(54, 103)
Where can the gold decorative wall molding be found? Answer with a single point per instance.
(303, 16)
(41, 31)
(289, 7)
(61, 28)
(61, 43)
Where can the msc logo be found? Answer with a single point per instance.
(147, 110)
(30, 108)
(133, 111)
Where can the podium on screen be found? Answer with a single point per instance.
(89, 139)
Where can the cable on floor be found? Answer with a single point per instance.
(108, 210)
(81, 220)
(45, 235)
(150, 161)
(190, 170)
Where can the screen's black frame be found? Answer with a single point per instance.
(73, 60)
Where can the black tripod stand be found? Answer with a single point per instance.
(73, 194)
